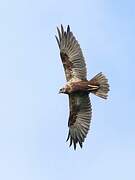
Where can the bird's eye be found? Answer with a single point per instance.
(61, 90)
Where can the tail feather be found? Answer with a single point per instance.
(103, 87)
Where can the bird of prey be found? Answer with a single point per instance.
(78, 87)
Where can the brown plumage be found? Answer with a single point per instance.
(78, 87)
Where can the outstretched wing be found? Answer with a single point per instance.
(71, 55)
(79, 119)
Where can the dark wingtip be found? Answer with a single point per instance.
(68, 136)
(70, 141)
(59, 34)
(68, 28)
(57, 29)
(74, 144)
(74, 141)
(80, 143)
(62, 29)
(57, 41)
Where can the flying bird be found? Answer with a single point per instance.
(78, 87)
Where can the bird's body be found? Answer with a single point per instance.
(78, 87)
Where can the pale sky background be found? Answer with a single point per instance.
(33, 116)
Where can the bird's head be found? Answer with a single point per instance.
(62, 90)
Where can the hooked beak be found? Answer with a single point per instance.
(60, 91)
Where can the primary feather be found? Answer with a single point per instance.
(71, 55)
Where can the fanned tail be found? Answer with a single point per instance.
(99, 85)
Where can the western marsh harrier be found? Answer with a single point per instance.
(78, 87)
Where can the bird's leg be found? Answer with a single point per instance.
(92, 87)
